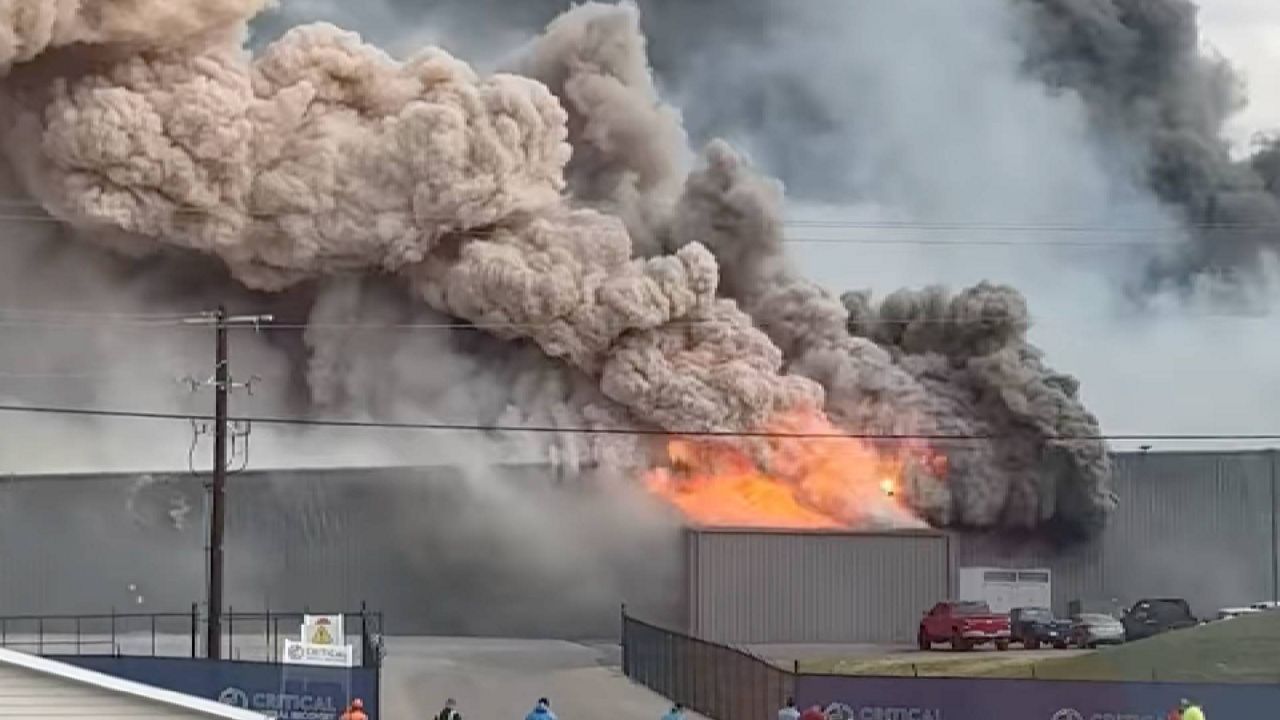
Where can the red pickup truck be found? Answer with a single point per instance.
(964, 624)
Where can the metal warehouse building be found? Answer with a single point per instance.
(1195, 525)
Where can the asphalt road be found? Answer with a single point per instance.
(502, 679)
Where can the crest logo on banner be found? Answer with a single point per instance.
(322, 642)
(235, 697)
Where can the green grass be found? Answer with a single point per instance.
(1246, 649)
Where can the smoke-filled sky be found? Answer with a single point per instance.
(1248, 34)
(947, 143)
(1184, 367)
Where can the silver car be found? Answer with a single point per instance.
(1093, 629)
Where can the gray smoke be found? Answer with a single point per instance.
(924, 362)
(545, 207)
(787, 82)
(1162, 102)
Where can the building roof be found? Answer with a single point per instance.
(121, 686)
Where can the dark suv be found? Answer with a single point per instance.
(1156, 615)
(1032, 626)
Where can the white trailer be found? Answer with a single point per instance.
(1006, 588)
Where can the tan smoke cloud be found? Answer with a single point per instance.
(322, 156)
(630, 149)
(545, 209)
(325, 156)
(30, 27)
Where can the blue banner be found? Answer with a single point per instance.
(976, 699)
(290, 692)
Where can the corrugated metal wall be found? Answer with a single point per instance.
(1198, 525)
(437, 553)
(799, 587)
(1193, 525)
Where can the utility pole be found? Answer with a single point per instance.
(218, 514)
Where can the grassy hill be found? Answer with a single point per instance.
(1245, 649)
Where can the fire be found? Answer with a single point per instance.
(790, 482)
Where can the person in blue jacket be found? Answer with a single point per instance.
(676, 713)
(541, 711)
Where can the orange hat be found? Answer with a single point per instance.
(357, 704)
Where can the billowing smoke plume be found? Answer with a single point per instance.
(547, 206)
(33, 26)
(924, 362)
(764, 73)
(1153, 92)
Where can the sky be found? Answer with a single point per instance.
(1247, 32)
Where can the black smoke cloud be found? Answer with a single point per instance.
(1154, 93)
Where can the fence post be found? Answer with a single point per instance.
(115, 649)
(77, 634)
(40, 636)
(626, 644)
(231, 632)
(153, 635)
(266, 634)
(364, 635)
(195, 626)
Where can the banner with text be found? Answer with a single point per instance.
(869, 698)
(290, 692)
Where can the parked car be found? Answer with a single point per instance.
(1266, 605)
(1089, 630)
(1032, 626)
(1235, 612)
(1157, 615)
(964, 624)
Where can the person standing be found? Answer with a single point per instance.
(355, 711)
(450, 711)
(1191, 710)
(789, 711)
(813, 713)
(541, 711)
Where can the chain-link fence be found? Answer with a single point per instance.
(718, 681)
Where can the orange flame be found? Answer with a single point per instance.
(791, 482)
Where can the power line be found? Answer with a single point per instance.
(900, 241)
(543, 429)
(912, 226)
(127, 324)
(1066, 227)
(850, 223)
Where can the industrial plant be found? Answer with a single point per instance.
(1200, 526)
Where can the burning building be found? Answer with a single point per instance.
(553, 206)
